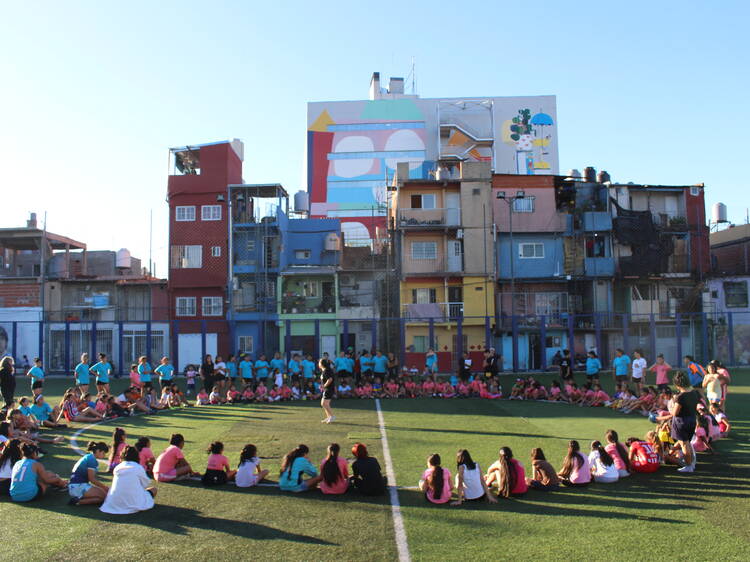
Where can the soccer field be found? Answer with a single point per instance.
(687, 516)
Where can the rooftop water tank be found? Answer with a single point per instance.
(718, 213)
(333, 242)
(573, 173)
(589, 174)
(603, 177)
(301, 202)
(122, 259)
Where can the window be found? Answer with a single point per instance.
(211, 212)
(426, 201)
(185, 306)
(311, 289)
(595, 246)
(424, 250)
(184, 213)
(419, 343)
(212, 306)
(186, 257)
(302, 254)
(525, 205)
(423, 296)
(216, 251)
(735, 294)
(245, 344)
(531, 250)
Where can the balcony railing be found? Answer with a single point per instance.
(438, 311)
(429, 218)
(410, 266)
(308, 305)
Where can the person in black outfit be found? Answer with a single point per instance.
(684, 410)
(491, 360)
(7, 380)
(328, 387)
(207, 373)
(367, 477)
(566, 367)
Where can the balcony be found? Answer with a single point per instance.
(308, 305)
(431, 266)
(597, 221)
(426, 219)
(437, 311)
(243, 303)
(678, 265)
(599, 267)
(356, 308)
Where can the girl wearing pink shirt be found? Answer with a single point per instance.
(335, 472)
(661, 368)
(463, 389)
(507, 474)
(171, 464)
(700, 440)
(600, 397)
(436, 481)
(118, 445)
(261, 393)
(391, 389)
(575, 470)
(618, 452)
(248, 395)
(217, 469)
(428, 388)
(448, 391)
(145, 455)
(587, 397)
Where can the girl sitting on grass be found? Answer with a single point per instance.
(507, 474)
(118, 445)
(249, 472)
(10, 455)
(202, 398)
(130, 491)
(618, 452)
(575, 470)
(294, 467)
(545, 478)
(335, 472)
(171, 465)
(29, 480)
(367, 476)
(217, 469)
(145, 455)
(436, 481)
(470, 484)
(84, 487)
(721, 419)
(603, 468)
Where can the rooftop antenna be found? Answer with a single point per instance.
(413, 76)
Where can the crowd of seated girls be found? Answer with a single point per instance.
(606, 462)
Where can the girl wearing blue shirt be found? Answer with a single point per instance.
(29, 479)
(620, 366)
(295, 367)
(232, 369)
(380, 364)
(165, 371)
(593, 366)
(82, 374)
(37, 376)
(101, 370)
(144, 374)
(261, 368)
(84, 488)
(295, 466)
(246, 368)
(277, 362)
(430, 362)
(308, 368)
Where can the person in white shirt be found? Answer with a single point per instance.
(603, 467)
(344, 390)
(470, 483)
(638, 371)
(249, 472)
(130, 491)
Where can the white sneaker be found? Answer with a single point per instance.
(327, 420)
(689, 468)
(331, 419)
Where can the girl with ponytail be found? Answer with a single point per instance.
(618, 452)
(294, 467)
(84, 487)
(603, 467)
(507, 474)
(575, 469)
(335, 471)
(436, 481)
(118, 445)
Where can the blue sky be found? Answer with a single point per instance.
(94, 93)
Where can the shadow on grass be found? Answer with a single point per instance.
(182, 520)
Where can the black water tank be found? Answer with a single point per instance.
(589, 174)
(603, 177)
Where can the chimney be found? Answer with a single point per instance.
(396, 86)
(31, 223)
(375, 86)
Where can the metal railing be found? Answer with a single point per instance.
(428, 218)
(438, 312)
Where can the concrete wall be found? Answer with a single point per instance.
(476, 217)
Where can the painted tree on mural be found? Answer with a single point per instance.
(521, 124)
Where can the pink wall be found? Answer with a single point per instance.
(545, 217)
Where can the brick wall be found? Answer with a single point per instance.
(19, 293)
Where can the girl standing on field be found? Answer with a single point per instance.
(661, 368)
(327, 388)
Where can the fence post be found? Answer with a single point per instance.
(514, 343)
(288, 340)
(598, 335)
(704, 337)
(625, 333)
(543, 338)
(203, 340)
(459, 339)
(176, 344)
(316, 347)
(431, 334)
(487, 333)
(571, 337)
(148, 340)
(402, 340)
(730, 337)
(93, 339)
(346, 335)
(121, 371)
(678, 335)
(374, 337)
(652, 326)
(66, 355)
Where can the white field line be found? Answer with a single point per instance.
(398, 520)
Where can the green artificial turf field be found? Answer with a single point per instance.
(692, 516)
